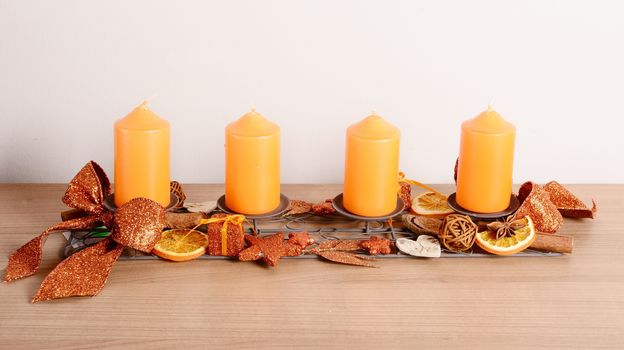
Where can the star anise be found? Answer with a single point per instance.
(506, 228)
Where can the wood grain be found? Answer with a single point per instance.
(573, 301)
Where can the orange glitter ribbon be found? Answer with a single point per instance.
(137, 224)
(548, 204)
(567, 203)
(236, 219)
(416, 183)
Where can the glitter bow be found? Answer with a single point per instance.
(548, 204)
(137, 224)
(236, 219)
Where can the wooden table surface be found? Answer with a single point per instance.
(572, 301)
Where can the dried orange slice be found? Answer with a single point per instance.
(523, 236)
(433, 204)
(181, 245)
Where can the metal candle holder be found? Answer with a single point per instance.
(514, 204)
(341, 225)
(281, 209)
(338, 205)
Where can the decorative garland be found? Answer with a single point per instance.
(139, 225)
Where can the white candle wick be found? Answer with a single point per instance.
(154, 95)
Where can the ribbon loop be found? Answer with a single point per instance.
(25, 261)
(88, 189)
(82, 274)
(415, 183)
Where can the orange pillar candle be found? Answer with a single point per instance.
(142, 157)
(484, 173)
(252, 165)
(371, 167)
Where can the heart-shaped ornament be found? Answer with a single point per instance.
(425, 246)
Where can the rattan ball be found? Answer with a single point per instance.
(176, 189)
(458, 233)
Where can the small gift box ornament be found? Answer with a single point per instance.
(225, 234)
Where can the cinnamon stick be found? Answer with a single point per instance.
(553, 243)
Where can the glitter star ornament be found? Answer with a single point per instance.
(270, 249)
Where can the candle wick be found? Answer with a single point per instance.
(489, 108)
(154, 95)
(374, 112)
(253, 107)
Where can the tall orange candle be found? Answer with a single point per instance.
(252, 165)
(484, 173)
(371, 167)
(142, 157)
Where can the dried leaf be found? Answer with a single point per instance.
(345, 258)
(421, 224)
(325, 208)
(365, 257)
(299, 207)
(430, 224)
(338, 244)
(201, 207)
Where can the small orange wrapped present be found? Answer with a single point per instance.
(225, 234)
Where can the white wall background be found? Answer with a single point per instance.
(69, 69)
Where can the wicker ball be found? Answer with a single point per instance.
(458, 233)
(176, 189)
